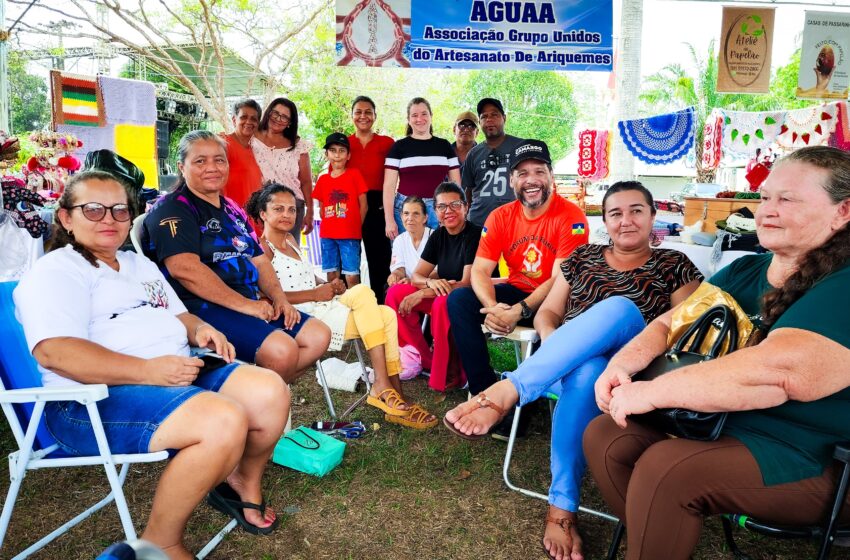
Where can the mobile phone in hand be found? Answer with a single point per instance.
(211, 362)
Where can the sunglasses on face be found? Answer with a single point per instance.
(466, 126)
(95, 211)
(276, 116)
(454, 205)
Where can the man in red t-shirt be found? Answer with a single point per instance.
(534, 234)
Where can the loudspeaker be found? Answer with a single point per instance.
(163, 137)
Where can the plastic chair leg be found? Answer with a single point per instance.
(840, 495)
(730, 540)
(615, 541)
(325, 390)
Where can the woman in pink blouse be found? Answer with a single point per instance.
(284, 158)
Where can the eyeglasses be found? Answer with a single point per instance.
(467, 125)
(494, 160)
(454, 205)
(95, 211)
(276, 116)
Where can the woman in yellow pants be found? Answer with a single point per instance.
(350, 313)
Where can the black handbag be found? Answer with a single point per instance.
(681, 422)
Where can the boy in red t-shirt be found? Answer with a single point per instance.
(342, 198)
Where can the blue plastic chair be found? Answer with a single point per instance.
(23, 398)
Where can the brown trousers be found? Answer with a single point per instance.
(662, 488)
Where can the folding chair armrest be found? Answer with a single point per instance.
(841, 452)
(81, 393)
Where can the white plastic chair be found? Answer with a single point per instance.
(23, 404)
(136, 232)
(364, 376)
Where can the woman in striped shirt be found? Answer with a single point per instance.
(415, 166)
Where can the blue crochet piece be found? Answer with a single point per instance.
(659, 139)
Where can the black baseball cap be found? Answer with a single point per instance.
(531, 149)
(337, 138)
(490, 101)
(120, 167)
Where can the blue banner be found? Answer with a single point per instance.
(571, 35)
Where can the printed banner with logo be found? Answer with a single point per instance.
(746, 42)
(476, 34)
(825, 58)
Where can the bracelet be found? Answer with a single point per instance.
(426, 283)
(199, 328)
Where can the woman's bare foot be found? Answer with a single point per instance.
(253, 494)
(178, 552)
(561, 538)
(472, 418)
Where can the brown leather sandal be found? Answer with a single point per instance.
(483, 402)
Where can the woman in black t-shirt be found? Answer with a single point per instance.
(446, 264)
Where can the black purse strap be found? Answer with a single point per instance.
(698, 330)
(299, 444)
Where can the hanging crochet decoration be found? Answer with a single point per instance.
(373, 33)
(811, 126)
(745, 133)
(77, 100)
(593, 154)
(712, 135)
(660, 139)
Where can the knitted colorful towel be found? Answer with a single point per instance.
(712, 135)
(593, 154)
(841, 136)
(128, 101)
(76, 99)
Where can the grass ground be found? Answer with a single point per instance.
(398, 494)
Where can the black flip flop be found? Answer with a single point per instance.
(225, 499)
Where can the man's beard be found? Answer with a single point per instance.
(498, 134)
(545, 192)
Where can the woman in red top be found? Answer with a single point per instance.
(245, 176)
(368, 152)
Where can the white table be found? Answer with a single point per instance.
(701, 255)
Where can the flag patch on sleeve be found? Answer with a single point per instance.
(578, 229)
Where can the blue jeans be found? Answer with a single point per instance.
(341, 254)
(130, 414)
(432, 222)
(574, 356)
(466, 319)
(246, 332)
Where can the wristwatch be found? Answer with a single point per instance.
(526, 311)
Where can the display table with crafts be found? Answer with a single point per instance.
(700, 255)
(710, 210)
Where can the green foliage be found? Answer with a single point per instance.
(30, 107)
(539, 104)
